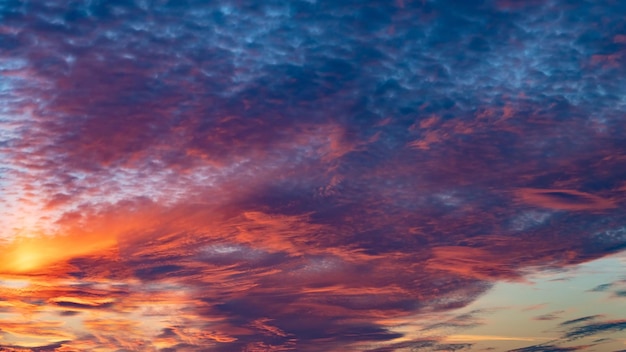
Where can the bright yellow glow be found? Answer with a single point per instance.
(26, 258)
(29, 254)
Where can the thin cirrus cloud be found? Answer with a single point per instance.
(579, 328)
(184, 176)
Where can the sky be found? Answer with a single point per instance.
(312, 175)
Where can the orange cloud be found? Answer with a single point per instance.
(564, 199)
(472, 262)
(50, 331)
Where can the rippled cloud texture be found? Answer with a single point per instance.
(186, 175)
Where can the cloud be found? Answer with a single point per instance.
(548, 348)
(36, 330)
(50, 347)
(589, 329)
(580, 320)
(620, 293)
(602, 287)
(423, 345)
(76, 302)
(535, 307)
(564, 199)
(459, 322)
(549, 316)
(299, 176)
(579, 328)
(472, 262)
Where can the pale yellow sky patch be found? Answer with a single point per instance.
(469, 338)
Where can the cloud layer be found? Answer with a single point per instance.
(306, 175)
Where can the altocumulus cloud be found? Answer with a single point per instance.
(299, 175)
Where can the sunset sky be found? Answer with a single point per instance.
(312, 175)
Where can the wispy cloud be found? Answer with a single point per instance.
(580, 320)
(589, 329)
(548, 348)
